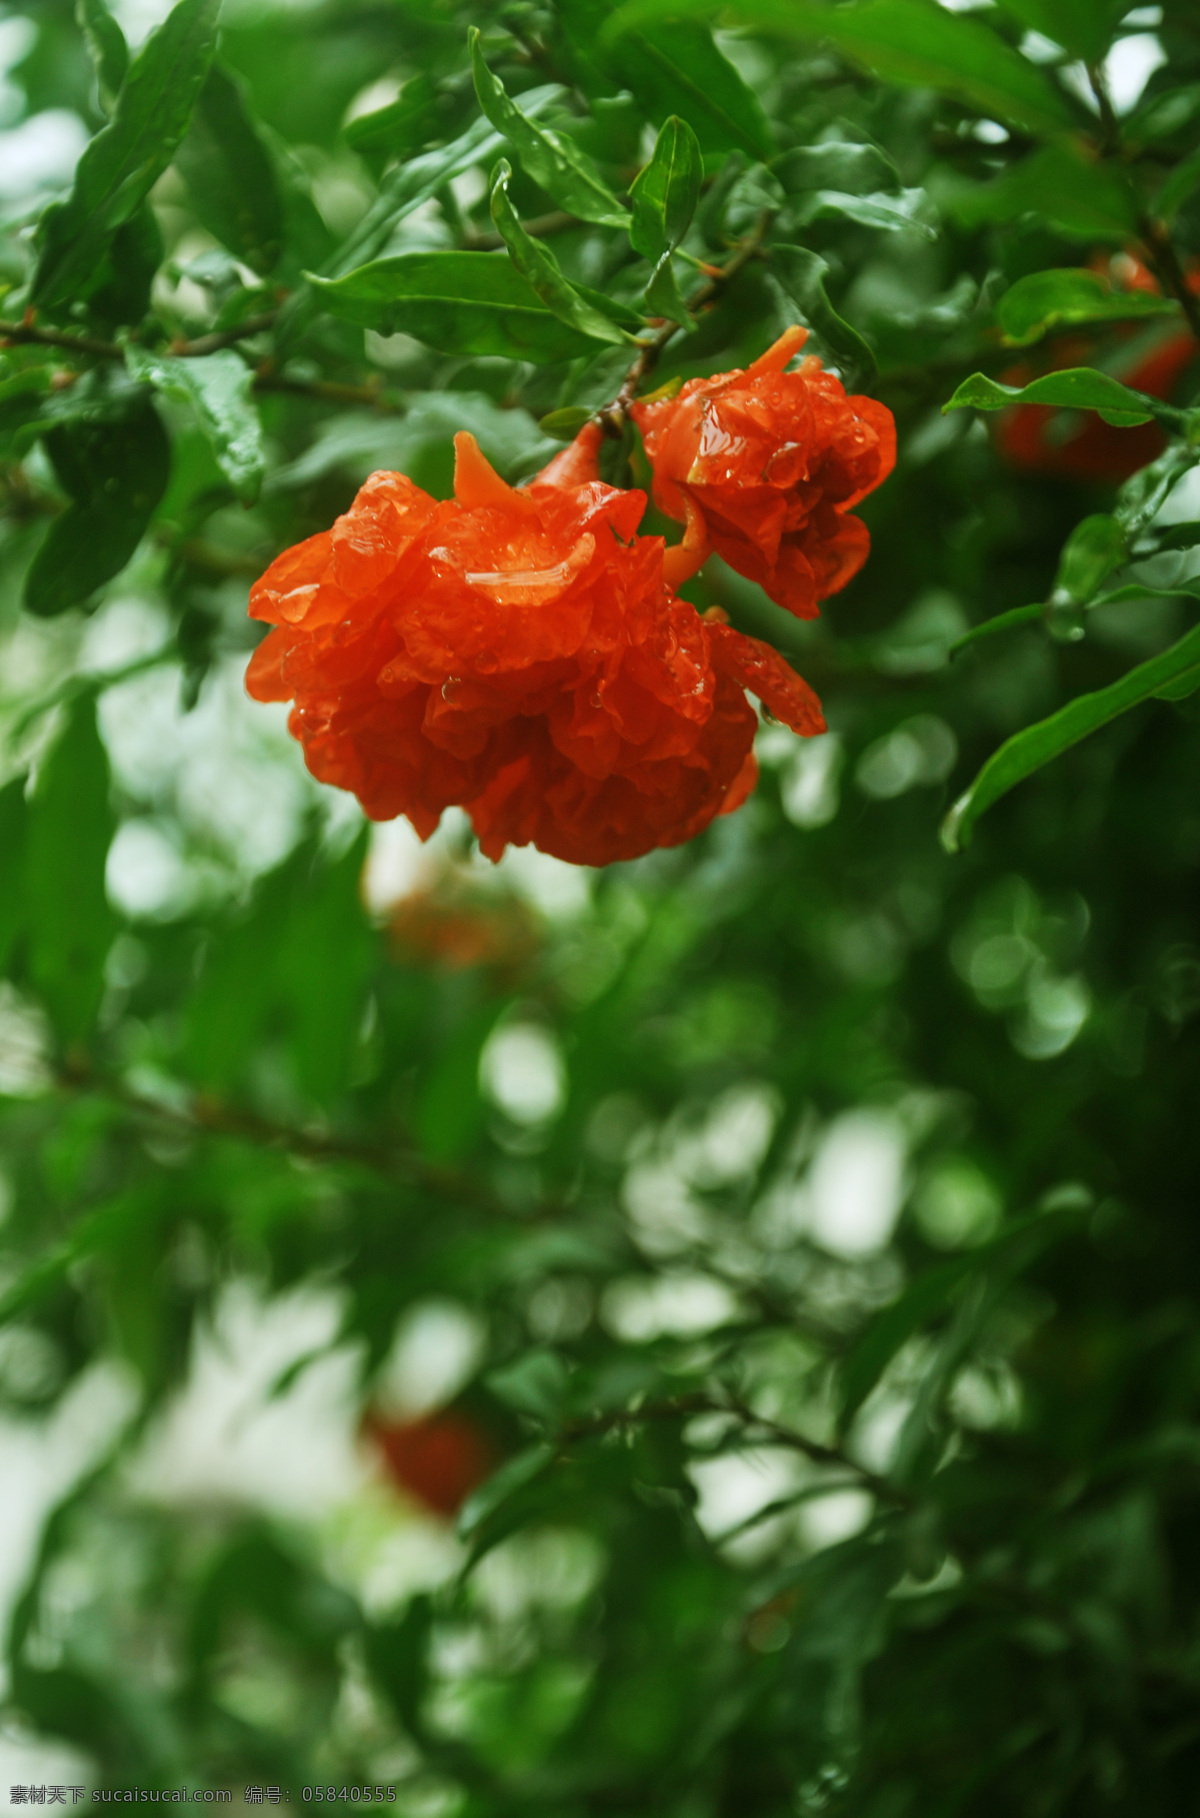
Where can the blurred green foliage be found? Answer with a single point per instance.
(817, 1202)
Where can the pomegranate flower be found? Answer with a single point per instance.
(516, 652)
(764, 465)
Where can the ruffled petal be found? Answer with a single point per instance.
(760, 669)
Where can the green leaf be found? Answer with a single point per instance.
(69, 926)
(403, 125)
(218, 386)
(123, 161)
(511, 1477)
(1079, 196)
(851, 169)
(1044, 299)
(1027, 751)
(673, 68)
(13, 822)
(1083, 27)
(114, 473)
(932, 1292)
(1179, 186)
(403, 190)
(663, 295)
(397, 1656)
(31, 404)
(540, 269)
(1093, 550)
(664, 194)
(104, 1229)
(299, 958)
(911, 42)
(564, 425)
(458, 302)
(230, 176)
(536, 1384)
(564, 172)
(325, 954)
(107, 47)
(891, 213)
(802, 275)
(1074, 388)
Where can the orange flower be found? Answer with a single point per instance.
(764, 465)
(519, 653)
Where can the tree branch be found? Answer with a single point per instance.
(30, 334)
(207, 1115)
(685, 1407)
(1160, 251)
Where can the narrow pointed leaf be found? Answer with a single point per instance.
(14, 816)
(1021, 755)
(457, 302)
(564, 172)
(903, 41)
(403, 190)
(1084, 27)
(114, 474)
(106, 43)
(218, 388)
(665, 193)
(1182, 183)
(1095, 548)
(540, 269)
(70, 925)
(1047, 299)
(663, 295)
(1075, 388)
(802, 275)
(1076, 194)
(230, 176)
(674, 67)
(891, 213)
(852, 169)
(124, 160)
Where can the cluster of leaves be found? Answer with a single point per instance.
(815, 1149)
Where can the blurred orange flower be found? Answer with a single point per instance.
(517, 652)
(764, 465)
(438, 1458)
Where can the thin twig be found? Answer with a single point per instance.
(612, 417)
(540, 228)
(206, 1115)
(328, 391)
(1161, 255)
(685, 1407)
(31, 334)
(28, 334)
(225, 337)
(1165, 262)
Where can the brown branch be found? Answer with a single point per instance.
(206, 1115)
(30, 334)
(225, 337)
(27, 334)
(540, 227)
(328, 391)
(1164, 261)
(1159, 248)
(684, 1407)
(612, 418)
